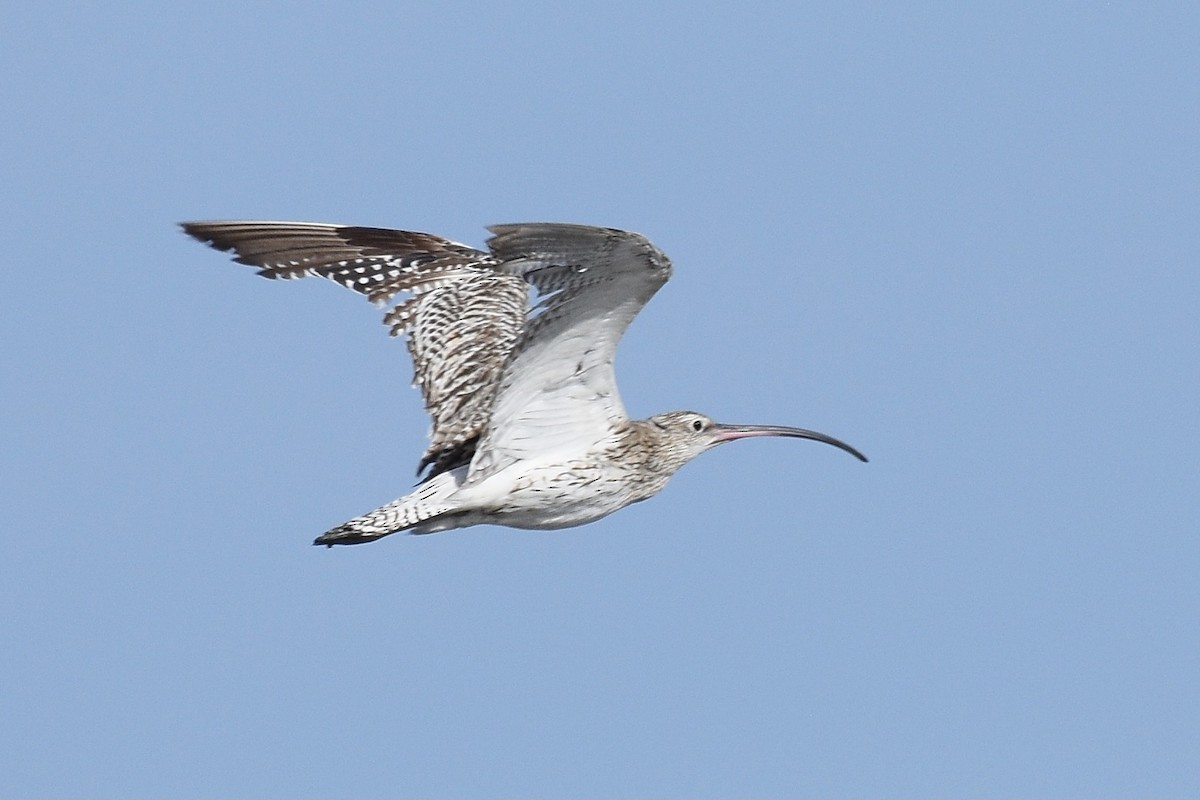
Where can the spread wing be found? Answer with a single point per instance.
(559, 391)
(463, 314)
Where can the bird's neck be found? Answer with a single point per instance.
(653, 451)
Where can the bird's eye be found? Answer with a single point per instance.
(697, 425)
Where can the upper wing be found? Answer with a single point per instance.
(559, 391)
(463, 317)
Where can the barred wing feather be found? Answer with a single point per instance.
(463, 314)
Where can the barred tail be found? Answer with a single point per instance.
(424, 505)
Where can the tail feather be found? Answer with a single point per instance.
(408, 512)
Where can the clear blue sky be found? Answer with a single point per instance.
(962, 237)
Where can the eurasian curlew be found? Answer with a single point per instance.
(528, 428)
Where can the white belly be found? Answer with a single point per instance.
(556, 495)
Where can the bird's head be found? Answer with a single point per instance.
(683, 435)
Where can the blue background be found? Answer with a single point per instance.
(963, 237)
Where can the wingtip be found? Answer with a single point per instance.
(200, 231)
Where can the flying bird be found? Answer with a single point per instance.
(513, 351)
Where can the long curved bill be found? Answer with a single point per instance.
(727, 433)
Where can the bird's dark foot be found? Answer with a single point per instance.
(347, 534)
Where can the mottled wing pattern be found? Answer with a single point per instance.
(462, 314)
(460, 340)
(559, 391)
